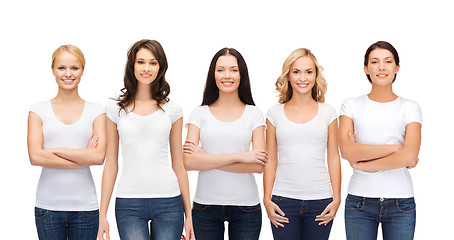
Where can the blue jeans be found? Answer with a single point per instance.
(62, 225)
(166, 216)
(245, 222)
(363, 215)
(301, 215)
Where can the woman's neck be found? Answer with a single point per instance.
(67, 96)
(301, 99)
(382, 93)
(143, 93)
(231, 99)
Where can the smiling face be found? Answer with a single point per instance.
(146, 66)
(227, 74)
(302, 75)
(381, 67)
(67, 70)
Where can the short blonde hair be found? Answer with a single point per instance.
(70, 49)
(285, 89)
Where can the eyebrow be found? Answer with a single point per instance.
(145, 59)
(311, 68)
(385, 58)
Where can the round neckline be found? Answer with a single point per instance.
(73, 123)
(227, 122)
(148, 115)
(304, 123)
(373, 101)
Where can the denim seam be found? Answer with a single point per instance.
(400, 210)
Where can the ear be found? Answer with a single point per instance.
(366, 70)
(397, 70)
(53, 70)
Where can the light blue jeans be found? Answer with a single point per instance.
(363, 215)
(166, 216)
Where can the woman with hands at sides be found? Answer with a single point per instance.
(300, 131)
(153, 186)
(380, 135)
(65, 136)
(226, 124)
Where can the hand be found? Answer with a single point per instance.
(413, 165)
(275, 214)
(328, 214)
(190, 147)
(255, 156)
(93, 142)
(103, 228)
(188, 229)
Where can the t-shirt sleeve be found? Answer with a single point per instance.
(37, 108)
(257, 118)
(195, 117)
(97, 110)
(271, 115)
(332, 114)
(346, 108)
(112, 111)
(413, 113)
(175, 111)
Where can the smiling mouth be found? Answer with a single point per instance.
(227, 83)
(68, 80)
(382, 75)
(302, 85)
(145, 75)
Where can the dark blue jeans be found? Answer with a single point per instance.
(62, 225)
(166, 216)
(363, 215)
(301, 215)
(245, 222)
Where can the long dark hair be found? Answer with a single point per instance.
(159, 88)
(211, 92)
(383, 45)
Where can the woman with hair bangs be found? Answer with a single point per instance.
(226, 124)
(380, 135)
(153, 186)
(65, 136)
(300, 130)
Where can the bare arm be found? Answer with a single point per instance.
(38, 156)
(195, 160)
(407, 156)
(108, 177)
(178, 167)
(355, 152)
(91, 155)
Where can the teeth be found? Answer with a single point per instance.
(227, 83)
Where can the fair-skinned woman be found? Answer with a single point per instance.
(226, 125)
(65, 136)
(300, 130)
(380, 135)
(153, 186)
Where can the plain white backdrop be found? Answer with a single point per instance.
(191, 32)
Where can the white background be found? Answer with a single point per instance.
(191, 32)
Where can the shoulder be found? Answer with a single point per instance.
(95, 106)
(172, 105)
(253, 109)
(39, 107)
(327, 107)
(409, 103)
(275, 108)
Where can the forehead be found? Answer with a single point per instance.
(380, 53)
(66, 58)
(226, 61)
(303, 63)
(144, 53)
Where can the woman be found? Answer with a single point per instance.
(226, 124)
(380, 135)
(300, 130)
(65, 136)
(152, 186)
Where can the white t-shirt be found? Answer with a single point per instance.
(380, 124)
(147, 168)
(66, 189)
(301, 171)
(216, 187)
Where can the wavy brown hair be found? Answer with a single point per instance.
(159, 88)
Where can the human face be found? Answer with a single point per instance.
(67, 70)
(302, 75)
(381, 67)
(227, 74)
(146, 66)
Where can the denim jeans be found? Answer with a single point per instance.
(301, 215)
(166, 216)
(363, 215)
(245, 222)
(62, 225)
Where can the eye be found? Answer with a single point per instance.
(61, 68)
(140, 62)
(309, 72)
(296, 72)
(234, 70)
(220, 70)
(75, 68)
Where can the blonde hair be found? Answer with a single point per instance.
(285, 89)
(70, 49)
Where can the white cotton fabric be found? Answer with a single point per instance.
(147, 168)
(380, 124)
(216, 187)
(66, 189)
(301, 171)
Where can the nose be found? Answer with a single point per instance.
(147, 67)
(68, 72)
(381, 66)
(227, 74)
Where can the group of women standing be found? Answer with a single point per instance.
(379, 134)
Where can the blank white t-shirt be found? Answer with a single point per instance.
(147, 168)
(301, 171)
(380, 124)
(216, 187)
(66, 189)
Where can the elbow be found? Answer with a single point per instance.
(187, 163)
(34, 160)
(259, 168)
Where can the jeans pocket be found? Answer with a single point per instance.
(326, 201)
(406, 204)
(276, 199)
(354, 203)
(199, 207)
(40, 213)
(94, 213)
(250, 209)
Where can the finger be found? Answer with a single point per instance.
(279, 211)
(277, 224)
